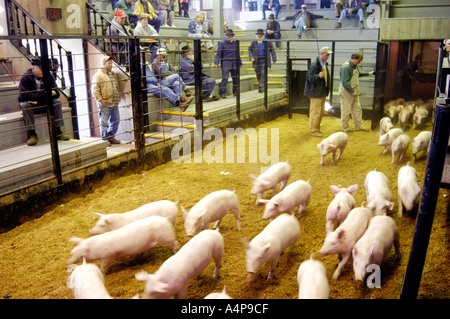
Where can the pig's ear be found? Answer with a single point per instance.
(99, 215)
(352, 189)
(263, 201)
(202, 213)
(341, 234)
(184, 212)
(319, 145)
(335, 189)
(266, 247)
(142, 276)
(253, 177)
(354, 251)
(390, 205)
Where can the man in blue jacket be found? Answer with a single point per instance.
(188, 75)
(257, 54)
(33, 100)
(273, 30)
(230, 61)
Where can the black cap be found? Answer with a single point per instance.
(36, 61)
(229, 32)
(259, 31)
(185, 49)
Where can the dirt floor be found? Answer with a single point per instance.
(34, 255)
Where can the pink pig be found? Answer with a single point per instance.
(334, 142)
(341, 205)
(408, 188)
(275, 174)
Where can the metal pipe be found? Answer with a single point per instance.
(427, 206)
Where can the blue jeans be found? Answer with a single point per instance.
(300, 23)
(163, 92)
(109, 118)
(174, 82)
(345, 13)
(276, 8)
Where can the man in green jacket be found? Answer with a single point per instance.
(349, 93)
(317, 87)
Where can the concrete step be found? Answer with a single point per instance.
(13, 131)
(9, 94)
(36, 161)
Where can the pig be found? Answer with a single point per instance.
(172, 277)
(341, 205)
(212, 207)
(342, 240)
(132, 239)
(278, 172)
(421, 143)
(391, 112)
(399, 147)
(164, 208)
(375, 244)
(408, 188)
(400, 101)
(379, 197)
(218, 295)
(267, 246)
(331, 144)
(419, 118)
(312, 280)
(385, 125)
(295, 194)
(87, 282)
(387, 139)
(404, 117)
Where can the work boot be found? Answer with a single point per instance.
(362, 24)
(113, 140)
(338, 25)
(32, 140)
(188, 93)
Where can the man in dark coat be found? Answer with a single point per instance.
(33, 100)
(230, 61)
(257, 54)
(317, 88)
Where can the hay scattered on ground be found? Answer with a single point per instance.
(34, 255)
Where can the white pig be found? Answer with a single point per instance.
(278, 172)
(385, 125)
(387, 139)
(132, 239)
(218, 295)
(420, 117)
(212, 207)
(331, 144)
(87, 282)
(421, 143)
(399, 147)
(375, 244)
(267, 246)
(293, 195)
(379, 197)
(171, 279)
(408, 188)
(164, 208)
(312, 280)
(341, 205)
(404, 117)
(342, 240)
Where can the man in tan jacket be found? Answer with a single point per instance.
(106, 90)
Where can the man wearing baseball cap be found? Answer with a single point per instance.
(106, 90)
(317, 88)
(117, 28)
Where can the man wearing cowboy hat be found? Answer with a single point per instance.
(187, 73)
(273, 30)
(230, 61)
(257, 54)
(317, 88)
(106, 90)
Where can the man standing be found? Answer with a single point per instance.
(349, 93)
(230, 61)
(257, 54)
(317, 88)
(187, 73)
(33, 99)
(106, 90)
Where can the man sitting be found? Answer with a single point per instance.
(352, 9)
(303, 20)
(187, 73)
(33, 100)
(196, 30)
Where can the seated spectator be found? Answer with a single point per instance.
(164, 7)
(196, 30)
(273, 30)
(154, 87)
(303, 20)
(269, 5)
(174, 6)
(187, 73)
(256, 53)
(325, 4)
(211, 27)
(184, 6)
(145, 8)
(339, 4)
(143, 29)
(368, 5)
(166, 74)
(33, 100)
(116, 28)
(352, 9)
(127, 7)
